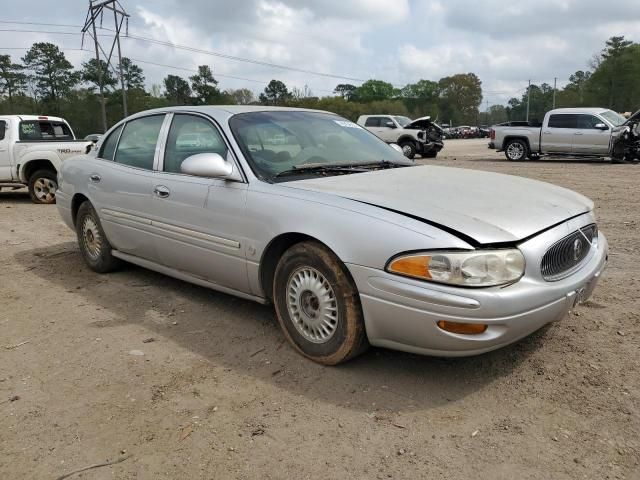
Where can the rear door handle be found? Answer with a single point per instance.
(578, 133)
(161, 191)
(547, 133)
(95, 178)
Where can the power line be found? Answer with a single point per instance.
(42, 24)
(197, 50)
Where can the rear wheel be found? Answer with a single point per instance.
(318, 305)
(516, 150)
(94, 246)
(408, 148)
(42, 186)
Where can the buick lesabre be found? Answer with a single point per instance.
(352, 243)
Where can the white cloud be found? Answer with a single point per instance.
(504, 42)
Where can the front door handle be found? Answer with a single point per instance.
(578, 133)
(161, 191)
(95, 178)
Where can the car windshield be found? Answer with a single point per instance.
(612, 117)
(277, 142)
(403, 121)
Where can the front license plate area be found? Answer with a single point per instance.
(582, 294)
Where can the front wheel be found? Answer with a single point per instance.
(431, 154)
(94, 246)
(516, 150)
(408, 149)
(42, 186)
(318, 305)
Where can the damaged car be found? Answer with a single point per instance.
(421, 136)
(352, 243)
(625, 141)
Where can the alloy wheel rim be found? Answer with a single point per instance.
(515, 151)
(91, 238)
(312, 305)
(406, 150)
(45, 189)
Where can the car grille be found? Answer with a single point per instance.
(565, 256)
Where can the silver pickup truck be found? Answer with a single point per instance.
(575, 132)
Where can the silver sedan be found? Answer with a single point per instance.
(351, 242)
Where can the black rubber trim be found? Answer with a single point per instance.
(470, 240)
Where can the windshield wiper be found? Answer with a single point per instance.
(381, 164)
(319, 168)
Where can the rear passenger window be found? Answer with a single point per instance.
(31, 130)
(137, 146)
(3, 128)
(109, 145)
(372, 122)
(563, 121)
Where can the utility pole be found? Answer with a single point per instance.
(555, 81)
(486, 113)
(528, 99)
(120, 18)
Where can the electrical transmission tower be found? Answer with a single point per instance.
(120, 17)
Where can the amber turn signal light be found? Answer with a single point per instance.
(463, 328)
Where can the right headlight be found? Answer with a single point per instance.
(476, 268)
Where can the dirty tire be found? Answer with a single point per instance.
(408, 149)
(348, 338)
(516, 150)
(42, 186)
(94, 246)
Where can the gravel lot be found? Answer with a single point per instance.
(183, 382)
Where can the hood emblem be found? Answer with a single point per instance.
(577, 249)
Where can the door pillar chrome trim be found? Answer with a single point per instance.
(158, 159)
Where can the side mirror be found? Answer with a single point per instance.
(601, 126)
(396, 147)
(210, 165)
(390, 124)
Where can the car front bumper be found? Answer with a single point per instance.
(402, 314)
(428, 147)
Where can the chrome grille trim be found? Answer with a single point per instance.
(566, 255)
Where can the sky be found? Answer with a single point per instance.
(505, 43)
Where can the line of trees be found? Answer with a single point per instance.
(45, 82)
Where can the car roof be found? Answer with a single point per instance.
(39, 117)
(579, 110)
(224, 112)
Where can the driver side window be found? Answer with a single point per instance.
(190, 135)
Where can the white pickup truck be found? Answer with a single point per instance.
(576, 132)
(32, 148)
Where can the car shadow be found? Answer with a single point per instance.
(245, 337)
(15, 196)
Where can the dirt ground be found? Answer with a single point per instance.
(183, 382)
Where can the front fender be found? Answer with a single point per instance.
(356, 232)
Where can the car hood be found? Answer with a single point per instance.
(422, 122)
(482, 206)
(633, 119)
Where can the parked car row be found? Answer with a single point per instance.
(466, 131)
